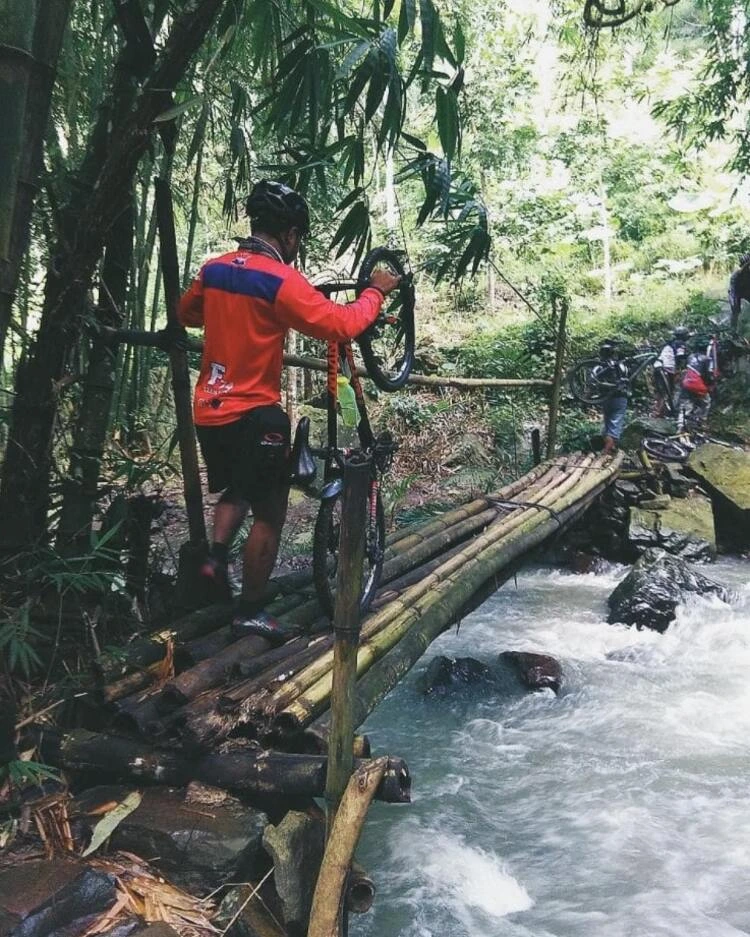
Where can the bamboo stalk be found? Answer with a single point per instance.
(387, 615)
(446, 586)
(337, 859)
(346, 628)
(386, 673)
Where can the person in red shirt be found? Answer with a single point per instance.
(246, 301)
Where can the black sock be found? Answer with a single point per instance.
(219, 552)
(247, 607)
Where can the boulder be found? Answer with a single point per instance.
(446, 673)
(684, 528)
(649, 595)
(532, 671)
(296, 846)
(44, 898)
(199, 846)
(726, 475)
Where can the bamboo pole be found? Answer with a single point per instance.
(387, 615)
(337, 859)
(135, 337)
(346, 627)
(180, 372)
(386, 673)
(557, 379)
(447, 587)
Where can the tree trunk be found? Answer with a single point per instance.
(24, 489)
(29, 78)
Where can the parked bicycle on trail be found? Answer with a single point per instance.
(246, 300)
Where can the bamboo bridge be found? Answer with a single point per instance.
(191, 703)
(190, 686)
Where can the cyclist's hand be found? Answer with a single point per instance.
(384, 281)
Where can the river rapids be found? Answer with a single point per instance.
(618, 809)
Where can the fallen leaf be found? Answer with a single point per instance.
(106, 826)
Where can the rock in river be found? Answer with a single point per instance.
(648, 596)
(533, 671)
(445, 673)
(685, 528)
(726, 474)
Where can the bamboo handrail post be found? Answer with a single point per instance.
(346, 628)
(554, 405)
(179, 366)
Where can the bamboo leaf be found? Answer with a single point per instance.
(353, 59)
(413, 141)
(106, 826)
(460, 42)
(176, 110)
(407, 17)
(427, 18)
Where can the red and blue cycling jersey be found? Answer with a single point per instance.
(246, 302)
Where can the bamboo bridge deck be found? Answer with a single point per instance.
(190, 702)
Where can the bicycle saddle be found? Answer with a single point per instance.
(304, 468)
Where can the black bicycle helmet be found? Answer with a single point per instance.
(681, 333)
(277, 207)
(607, 350)
(744, 259)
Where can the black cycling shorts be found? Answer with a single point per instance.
(250, 455)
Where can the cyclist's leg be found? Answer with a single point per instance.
(262, 477)
(614, 421)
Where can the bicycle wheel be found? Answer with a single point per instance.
(326, 552)
(388, 345)
(582, 383)
(665, 450)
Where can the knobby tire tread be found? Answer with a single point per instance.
(321, 579)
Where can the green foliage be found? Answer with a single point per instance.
(17, 639)
(22, 774)
(575, 429)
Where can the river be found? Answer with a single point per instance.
(618, 809)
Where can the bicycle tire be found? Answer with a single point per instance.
(374, 341)
(325, 548)
(580, 383)
(665, 450)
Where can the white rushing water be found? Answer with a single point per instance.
(618, 809)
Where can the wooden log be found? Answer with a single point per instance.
(211, 672)
(243, 770)
(448, 588)
(337, 859)
(557, 379)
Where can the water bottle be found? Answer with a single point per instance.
(347, 401)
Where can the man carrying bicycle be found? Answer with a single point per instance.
(670, 363)
(694, 399)
(613, 373)
(246, 301)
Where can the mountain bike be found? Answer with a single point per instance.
(388, 352)
(586, 387)
(677, 448)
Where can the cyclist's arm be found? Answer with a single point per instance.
(190, 310)
(300, 306)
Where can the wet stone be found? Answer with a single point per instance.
(296, 846)
(533, 671)
(649, 595)
(198, 845)
(446, 673)
(684, 528)
(41, 898)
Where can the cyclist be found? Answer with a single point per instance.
(694, 398)
(612, 372)
(671, 361)
(739, 289)
(246, 301)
